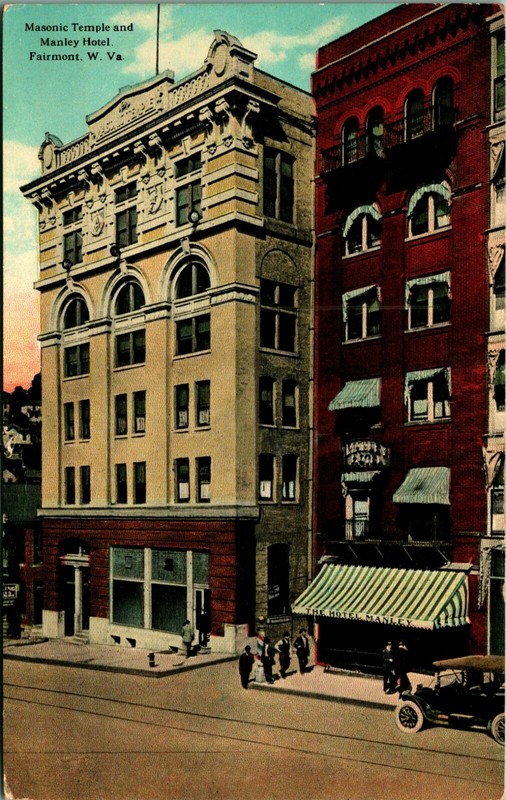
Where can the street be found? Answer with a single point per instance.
(71, 733)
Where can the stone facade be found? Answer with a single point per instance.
(175, 293)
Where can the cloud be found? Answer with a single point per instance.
(307, 61)
(21, 164)
(273, 47)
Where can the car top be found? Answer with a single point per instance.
(484, 663)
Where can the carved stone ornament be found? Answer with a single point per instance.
(161, 171)
(492, 359)
(224, 114)
(102, 197)
(46, 197)
(495, 256)
(252, 109)
(206, 117)
(496, 152)
(97, 221)
(155, 144)
(96, 173)
(89, 202)
(83, 177)
(140, 150)
(155, 198)
(492, 462)
(145, 176)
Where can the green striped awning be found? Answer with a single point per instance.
(412, 598)
(357, 394)
(426, 485)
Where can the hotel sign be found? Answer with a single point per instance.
(366, 454)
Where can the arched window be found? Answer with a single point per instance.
(442, 103)
(429, 209)
(193, 279)
(350, 141)
(76, 313)
(130, 298)
(414, 114)
(374, 141)
(362, 230)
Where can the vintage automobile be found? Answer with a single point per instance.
(467, 692)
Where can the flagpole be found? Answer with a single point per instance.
(157, 38)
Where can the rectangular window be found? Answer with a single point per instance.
(188, 165)
(289, 478)
(182, 468)
(85, 485)
(77, 360)
(121, 483)
(128, 586)
(188, 199)
(499, 93)
(203, 399)
(121, 413)
(289, 404)
(73, 247)
(126, 227)
(72, 215)
(70, 485)
(278, 316)
(428, 305)
(193, 335)
(84, 419)
(130, 348)
(127, 192)
(266, 401)
(139, 412)
(278, 185)
(203, 480)
(68, 415)
(265, 476)
(182, 392)
(139, 482)
(429, 399)
(362, 315)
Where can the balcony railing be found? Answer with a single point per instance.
(432, 120)
(356, 529)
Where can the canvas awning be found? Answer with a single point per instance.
(412, 598)
(425, 485)
(357, 394)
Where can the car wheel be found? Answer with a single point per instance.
(408, 717)
(496, 728)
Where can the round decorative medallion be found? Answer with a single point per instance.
(220, 59)
(47, 155)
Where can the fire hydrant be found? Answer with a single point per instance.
(151, 657)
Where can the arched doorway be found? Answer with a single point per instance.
(75, 586)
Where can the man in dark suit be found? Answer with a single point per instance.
(301, 645)
(245, 666)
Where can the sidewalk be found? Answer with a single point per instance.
(355, 688)
(318, 683)
(108, 658)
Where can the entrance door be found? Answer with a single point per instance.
(85, 611)
(69, 592)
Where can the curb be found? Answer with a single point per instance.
(145, 673)
(352, 701)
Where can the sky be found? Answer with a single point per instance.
(42, 96)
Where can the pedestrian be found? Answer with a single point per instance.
(246, 660)
(204, 627)
(267, 659)
(387, 657)
(283, 648)
(187, 635)
(401, 666)
(301, 645)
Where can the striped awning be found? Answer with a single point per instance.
(412, 598)
(426, 485)
(357, 394)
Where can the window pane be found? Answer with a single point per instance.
(121, 483)
(289, 468)
(201, 568)
(420, 218)
(287, 295)
(373, 317)
(140, 482)
(140, 411)
(139, 347)
(419, 306)
(168, 607)
(287, 332)
(441, 303)
(123, 355)
(289, 418)
(182, 406)
(184, 286)
(203, 402)
(203, 332)
(168, 566)
(266, 410)
(354, 328)
(182, 480)
(267, 293)
(70, 485)
(127, 562)
(354, 238)
(441, 212)
(85, 485)
(184, 332)
(419, 402)
(69, 421)
(265, 475)
(441, 398)
(128, 603)
(204, 479)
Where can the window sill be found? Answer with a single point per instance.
(76, 377)
(290, 502)
(417, 422)
(362, 339)
(428, 328)
(275, 351)
(180, 430)
(265, 501)
(121, 435)
(290, 427)
(138, 434)
(269, 425)
(424, 235)
(179, 357)
(365, 252)
(123, 367)
(202, 428)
